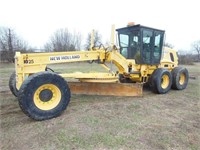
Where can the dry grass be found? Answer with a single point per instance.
(169, 121)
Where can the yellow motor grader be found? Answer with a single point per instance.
(140, 58)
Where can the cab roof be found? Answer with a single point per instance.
(137, 27)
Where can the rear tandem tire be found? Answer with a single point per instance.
(161, 81)
(12, 84)
(44, 95)
(180, 78)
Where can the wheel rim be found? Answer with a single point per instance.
(165, 81)
(182, 79)
(47, 97)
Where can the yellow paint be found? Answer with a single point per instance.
(165, 81)
(50, 104)
(166, 59)
(182, 79)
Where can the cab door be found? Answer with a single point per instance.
(152, 41)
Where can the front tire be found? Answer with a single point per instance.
(161, 81)
(12, 84)
(44, 95)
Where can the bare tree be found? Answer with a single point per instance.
(63, 40)
(196, 48)
(97, 39)
(168, 45)
(9, 43)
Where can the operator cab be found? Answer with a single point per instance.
(143, 44)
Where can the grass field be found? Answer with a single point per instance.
(169, 121)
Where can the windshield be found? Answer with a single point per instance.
(124, 40)
(129, 43)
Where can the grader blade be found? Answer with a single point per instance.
(112, 89)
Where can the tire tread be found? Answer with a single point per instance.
(26, 85)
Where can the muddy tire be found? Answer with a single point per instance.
(161, 81)
(180, 77)
(12, 84)
(44, 95)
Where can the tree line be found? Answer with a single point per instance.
(62, 40)
(9, 43)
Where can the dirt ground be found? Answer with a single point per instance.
(169, 121)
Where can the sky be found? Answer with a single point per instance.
(36, 20)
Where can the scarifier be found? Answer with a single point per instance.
(140, 58)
